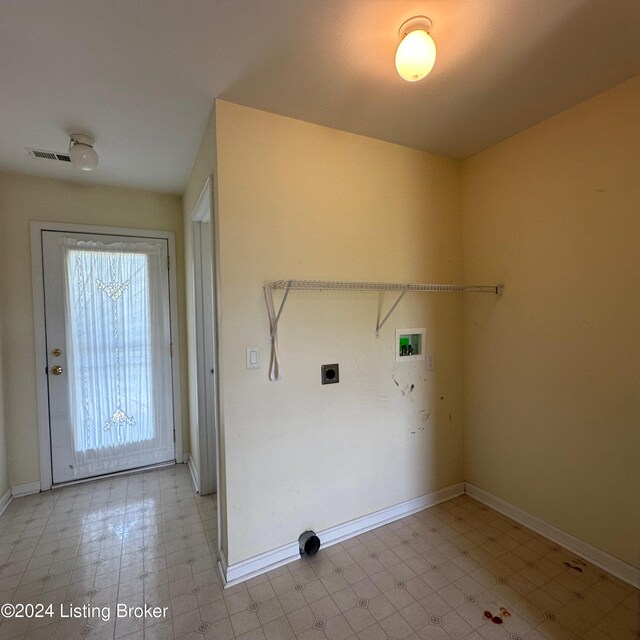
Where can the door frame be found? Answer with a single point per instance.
(206, 476)
(37, 280)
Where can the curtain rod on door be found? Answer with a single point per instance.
(343, 285)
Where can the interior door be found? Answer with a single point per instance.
(108, 340)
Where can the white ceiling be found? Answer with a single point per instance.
(141, 75)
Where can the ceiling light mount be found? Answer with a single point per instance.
(417, 23)
(82, 153)
(416, 53)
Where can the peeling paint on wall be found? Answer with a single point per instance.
(406, 386)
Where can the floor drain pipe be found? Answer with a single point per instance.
(309, 543)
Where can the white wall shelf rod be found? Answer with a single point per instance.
(341, 285)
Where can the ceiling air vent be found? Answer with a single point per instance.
(48, 155)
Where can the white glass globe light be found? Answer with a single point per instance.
(82, 153)
(416, 55)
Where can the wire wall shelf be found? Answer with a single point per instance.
(345, 285)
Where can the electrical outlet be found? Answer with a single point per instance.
(330, 373)
(429, 361)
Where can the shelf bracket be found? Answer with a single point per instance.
(274, 321)
(274, 318)
(381, 324)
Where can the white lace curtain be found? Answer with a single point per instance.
(117, 355)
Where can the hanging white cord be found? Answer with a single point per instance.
(274, 362)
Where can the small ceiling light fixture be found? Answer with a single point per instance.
(416, 53)
(82, 153)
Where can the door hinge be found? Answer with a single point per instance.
(174, 435)
(171, 349)
(169, 263)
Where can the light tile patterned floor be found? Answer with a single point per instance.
(437, 574)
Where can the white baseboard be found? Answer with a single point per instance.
(600, 558)
(241, 571)
(25, 489)
(5, 500)
(195, 476)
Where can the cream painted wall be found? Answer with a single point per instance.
(552, 372)
(23, 199)
(304, 201)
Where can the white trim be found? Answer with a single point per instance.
(222, 567)
(175, 343)
(37, 228)
(42, 394)
(25, 489)
(241, 571)
(202, 211)
(204, 289)
(219, 395)
(600, 558)
(194, 473)
(5, 501)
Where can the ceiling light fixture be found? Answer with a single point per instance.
(82, 153)
(416, 53)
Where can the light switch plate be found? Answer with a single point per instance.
(253, 357)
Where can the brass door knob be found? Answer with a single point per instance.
(57, 370)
